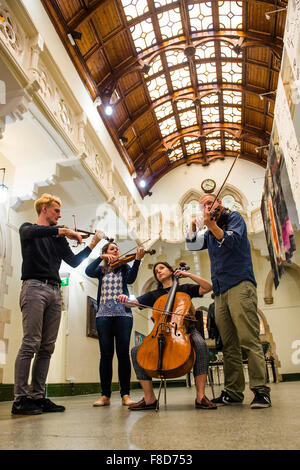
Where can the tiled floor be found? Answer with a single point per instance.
(229, 427)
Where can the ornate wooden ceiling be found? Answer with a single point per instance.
(184, 78)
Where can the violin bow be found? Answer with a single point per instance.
(225, 179)
(126, 252)
(162, 311)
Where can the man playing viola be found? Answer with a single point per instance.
(234, 287)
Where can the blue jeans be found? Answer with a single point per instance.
(109, 329)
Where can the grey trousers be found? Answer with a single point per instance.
(200, 348)
(41, 312)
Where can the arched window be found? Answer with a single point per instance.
(230, 202)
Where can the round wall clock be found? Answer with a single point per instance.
(208, 185)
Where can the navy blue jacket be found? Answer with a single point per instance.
(230, 258)
(129, 275)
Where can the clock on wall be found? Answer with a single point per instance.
(208, 185)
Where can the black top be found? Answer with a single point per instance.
(150, 297)
(43, 252)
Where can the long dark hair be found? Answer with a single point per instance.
(106, 268)
(159, 284)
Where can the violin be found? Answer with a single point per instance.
(126, 259)
(88, 234)
(167, 351)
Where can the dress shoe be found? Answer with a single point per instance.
(142, 405)
(127, 401)
(205, 404)
(103, 401)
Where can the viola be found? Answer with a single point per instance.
(216, 212)
(126, 259)
(167, 351)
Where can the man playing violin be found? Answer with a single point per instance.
(234, 287)
(113, 320)
(44, 246)
(164, 275)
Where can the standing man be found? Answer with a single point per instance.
(43, 246)
(234, 287)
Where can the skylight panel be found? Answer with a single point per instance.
(162, 3)
(227, 50)
(232, 114)
(232, 72)
(188, 118)
(155, 66)
(134, 8)
(210, 115)
(168, 126)
(200, 16)
(212, 98)
(213, 145)
(170, 23)
(192, 146)
(143, 35)
(164, 110)
(206, 73)
(213, 142)
(180, 78)
(176, 154)
(231, 15)
(157, 87)
(232, 144)
(175, 57)
(232, 97)
(183, 104)
(206, 51)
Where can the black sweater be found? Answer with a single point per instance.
(43, 252)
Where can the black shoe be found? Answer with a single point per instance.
(225, 399)
(48, 406)
(25, 406)
(261, 400)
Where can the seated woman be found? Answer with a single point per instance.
(113, 321)
(164, 275)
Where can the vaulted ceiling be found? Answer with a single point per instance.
(182, 81)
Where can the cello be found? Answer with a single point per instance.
(167, 351)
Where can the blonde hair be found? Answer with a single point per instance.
(46, 200)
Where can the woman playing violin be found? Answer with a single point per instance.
(113, 320)
(164, 275)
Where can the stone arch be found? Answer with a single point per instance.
(269, 284)
(267, 337)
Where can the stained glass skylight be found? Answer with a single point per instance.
(208, 78)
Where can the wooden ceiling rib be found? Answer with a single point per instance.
(183, 77)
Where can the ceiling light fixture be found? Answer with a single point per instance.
(261, 147)
(109, 110)
(97, 102)
(74, 35)
(142, 184)
(268, 13)
(265, 94)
